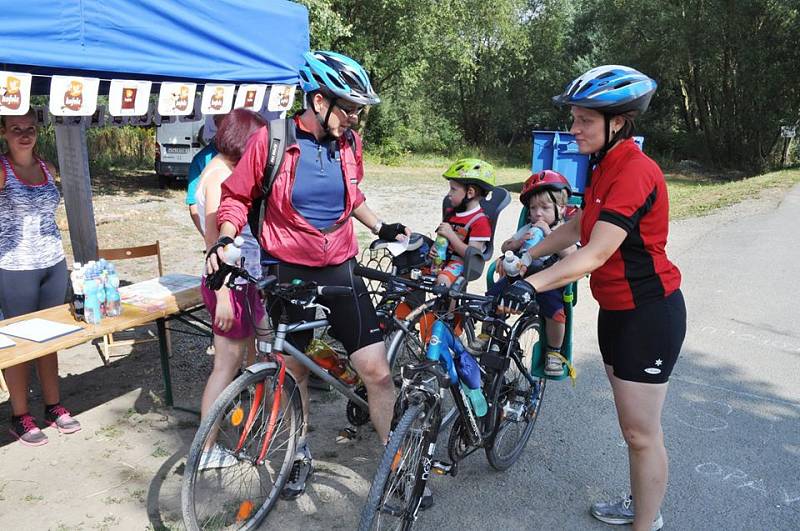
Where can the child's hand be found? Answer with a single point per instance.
(544, 226)
(432, 254)
(446, 230)
(498, 268)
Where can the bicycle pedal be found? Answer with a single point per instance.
(441, 468)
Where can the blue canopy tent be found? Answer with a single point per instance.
(233, 41)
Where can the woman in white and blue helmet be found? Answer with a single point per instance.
(622, 226)
(308, 228)
(339, 79)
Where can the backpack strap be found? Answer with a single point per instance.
(281, 132)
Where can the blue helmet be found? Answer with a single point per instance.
(337, 76)
(610, 89)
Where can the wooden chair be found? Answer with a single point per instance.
(124, 253)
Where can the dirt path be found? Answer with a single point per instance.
(124, 469)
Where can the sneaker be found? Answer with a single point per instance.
(621, 512)
(302, 470)
(217, 457)
(59, 417)
(477, 346)
(553, 365)
(25, 429)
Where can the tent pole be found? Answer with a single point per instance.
(73, 163)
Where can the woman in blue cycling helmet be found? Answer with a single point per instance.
(340, 81)
(622, 227)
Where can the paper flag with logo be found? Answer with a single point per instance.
(15, 93)
(73, 96)
(128, 97)
(176, 99)
(217, 99)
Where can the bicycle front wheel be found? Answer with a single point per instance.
(393, 499)
(251, 431)
(515, 402)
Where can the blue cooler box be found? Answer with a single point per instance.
(558, 151)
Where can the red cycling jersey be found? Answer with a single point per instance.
(628, 190)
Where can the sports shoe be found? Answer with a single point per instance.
(59, 417)
(25, 429)
(621, 512)
(477, 346)
(553, 365)
(302, 470)
(217, 457)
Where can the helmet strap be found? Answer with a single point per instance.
(595, 159)
(324, 122)
(555, 206)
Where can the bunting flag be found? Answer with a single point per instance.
(176, 99)
(128, 97)
(73, 96)
(217, 99)
(281, 97)
(250, 97)
(15, 93)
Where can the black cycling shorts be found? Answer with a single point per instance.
(643, 344)
(352, 318)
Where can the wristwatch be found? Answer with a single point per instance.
(377, 227)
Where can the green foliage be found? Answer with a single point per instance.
(121, 147)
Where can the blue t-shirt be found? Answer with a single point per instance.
(199, 162)
(318, 193)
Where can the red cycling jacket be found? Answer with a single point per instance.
(285, 234)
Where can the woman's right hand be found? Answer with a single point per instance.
(223, 315)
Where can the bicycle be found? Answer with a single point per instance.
(258, 420)
(514, 401)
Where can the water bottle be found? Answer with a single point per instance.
(91, 304)
(327, 358)
(76, 279)
(440, 245)
(535, 235)
(102, 277)
(233, 251)
(511, 264)
(113, 300)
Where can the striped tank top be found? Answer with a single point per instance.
(29, 236)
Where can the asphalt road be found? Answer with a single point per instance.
(731, 417)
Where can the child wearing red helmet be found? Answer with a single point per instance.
(545, 194)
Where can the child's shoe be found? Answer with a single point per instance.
(25, 429)
(553, 365)
(477, 346)
(59, 417)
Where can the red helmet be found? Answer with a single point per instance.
(544, 181)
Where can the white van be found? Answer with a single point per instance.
(176, 144)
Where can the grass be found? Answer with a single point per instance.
(690, 195)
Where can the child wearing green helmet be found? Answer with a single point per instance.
(465, 223)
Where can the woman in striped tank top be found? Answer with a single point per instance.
(33, 270)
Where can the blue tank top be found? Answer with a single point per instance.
(319, 192)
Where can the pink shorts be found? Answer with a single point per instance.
(248, 309)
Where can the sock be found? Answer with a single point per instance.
(49, 407)
(553, 349)
(302, 451)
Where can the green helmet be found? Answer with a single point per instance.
(472, 171)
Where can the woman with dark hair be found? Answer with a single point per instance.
(33, 270)
(233, 311)
(622, 226)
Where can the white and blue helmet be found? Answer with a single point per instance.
(337, 76)
(610, 89)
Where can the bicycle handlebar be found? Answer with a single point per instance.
(439, 290)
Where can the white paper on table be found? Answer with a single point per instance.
(39, 330)
(6, 342)
(398, 247)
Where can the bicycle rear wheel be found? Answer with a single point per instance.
(241, 494)
(391, 502)
(515, 403)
